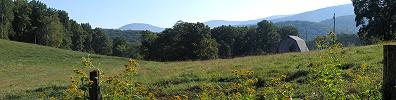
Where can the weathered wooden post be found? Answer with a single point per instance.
(94, 89)
(389, 73)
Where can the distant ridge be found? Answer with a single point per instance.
(141, 26)
(217, 23)
(344, 13)
(320, 14)
(310, 16)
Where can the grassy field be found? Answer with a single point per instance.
(27, 69)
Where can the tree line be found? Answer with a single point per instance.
(34, 22)
(196, 41)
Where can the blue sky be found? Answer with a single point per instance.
(164, 13)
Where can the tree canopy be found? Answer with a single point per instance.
(377, 19)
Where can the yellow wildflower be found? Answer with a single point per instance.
(251, 91)
(237, 94)
(177, 98)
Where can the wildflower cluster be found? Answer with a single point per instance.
(131, 67)
(80, 83)
(278, 88)
(119, 86)
(242, 88)
(183, 97)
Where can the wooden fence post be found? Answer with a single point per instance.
(389, 73)
(94, 89)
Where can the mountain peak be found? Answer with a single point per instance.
(141, 26)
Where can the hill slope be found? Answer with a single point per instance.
(26, 66)
(344, 24)
(27, 69)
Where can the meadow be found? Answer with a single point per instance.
(27, 70)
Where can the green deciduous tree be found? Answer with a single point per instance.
(64, 19)
(53, 31)
(229, 39)
(88, 39)
(21, 23)
(38, 19)
(287, 30)
(101, 43)
(184, 41)
(377, 19)
(147, 39)
(120, 47)
(267, 36)
(78, 36)
(6, 18)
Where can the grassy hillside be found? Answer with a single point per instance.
(27, 69)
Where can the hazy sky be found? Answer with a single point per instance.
(164, 13)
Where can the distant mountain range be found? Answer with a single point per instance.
(309, 30)
(311, 16)
(217, 23)
(320, 14)
(310, 24)
(344, 24)
(141, 26)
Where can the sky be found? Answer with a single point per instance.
(165, 13)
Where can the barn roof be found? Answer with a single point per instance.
(300, 42)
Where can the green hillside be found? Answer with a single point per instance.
(27, 69)
(26, 66)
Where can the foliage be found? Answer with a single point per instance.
(376, 18)
(120, 86)
(243, 88)
(230, 40)
(101, 44)
(33, 22)
(78, 36)
(184, 41)
(190, 41)
(21, 23)
(122, 48)
(132, 36)
(331, 77)
(287, 30)
(268, 37)
(6, 17)
(148, 38)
